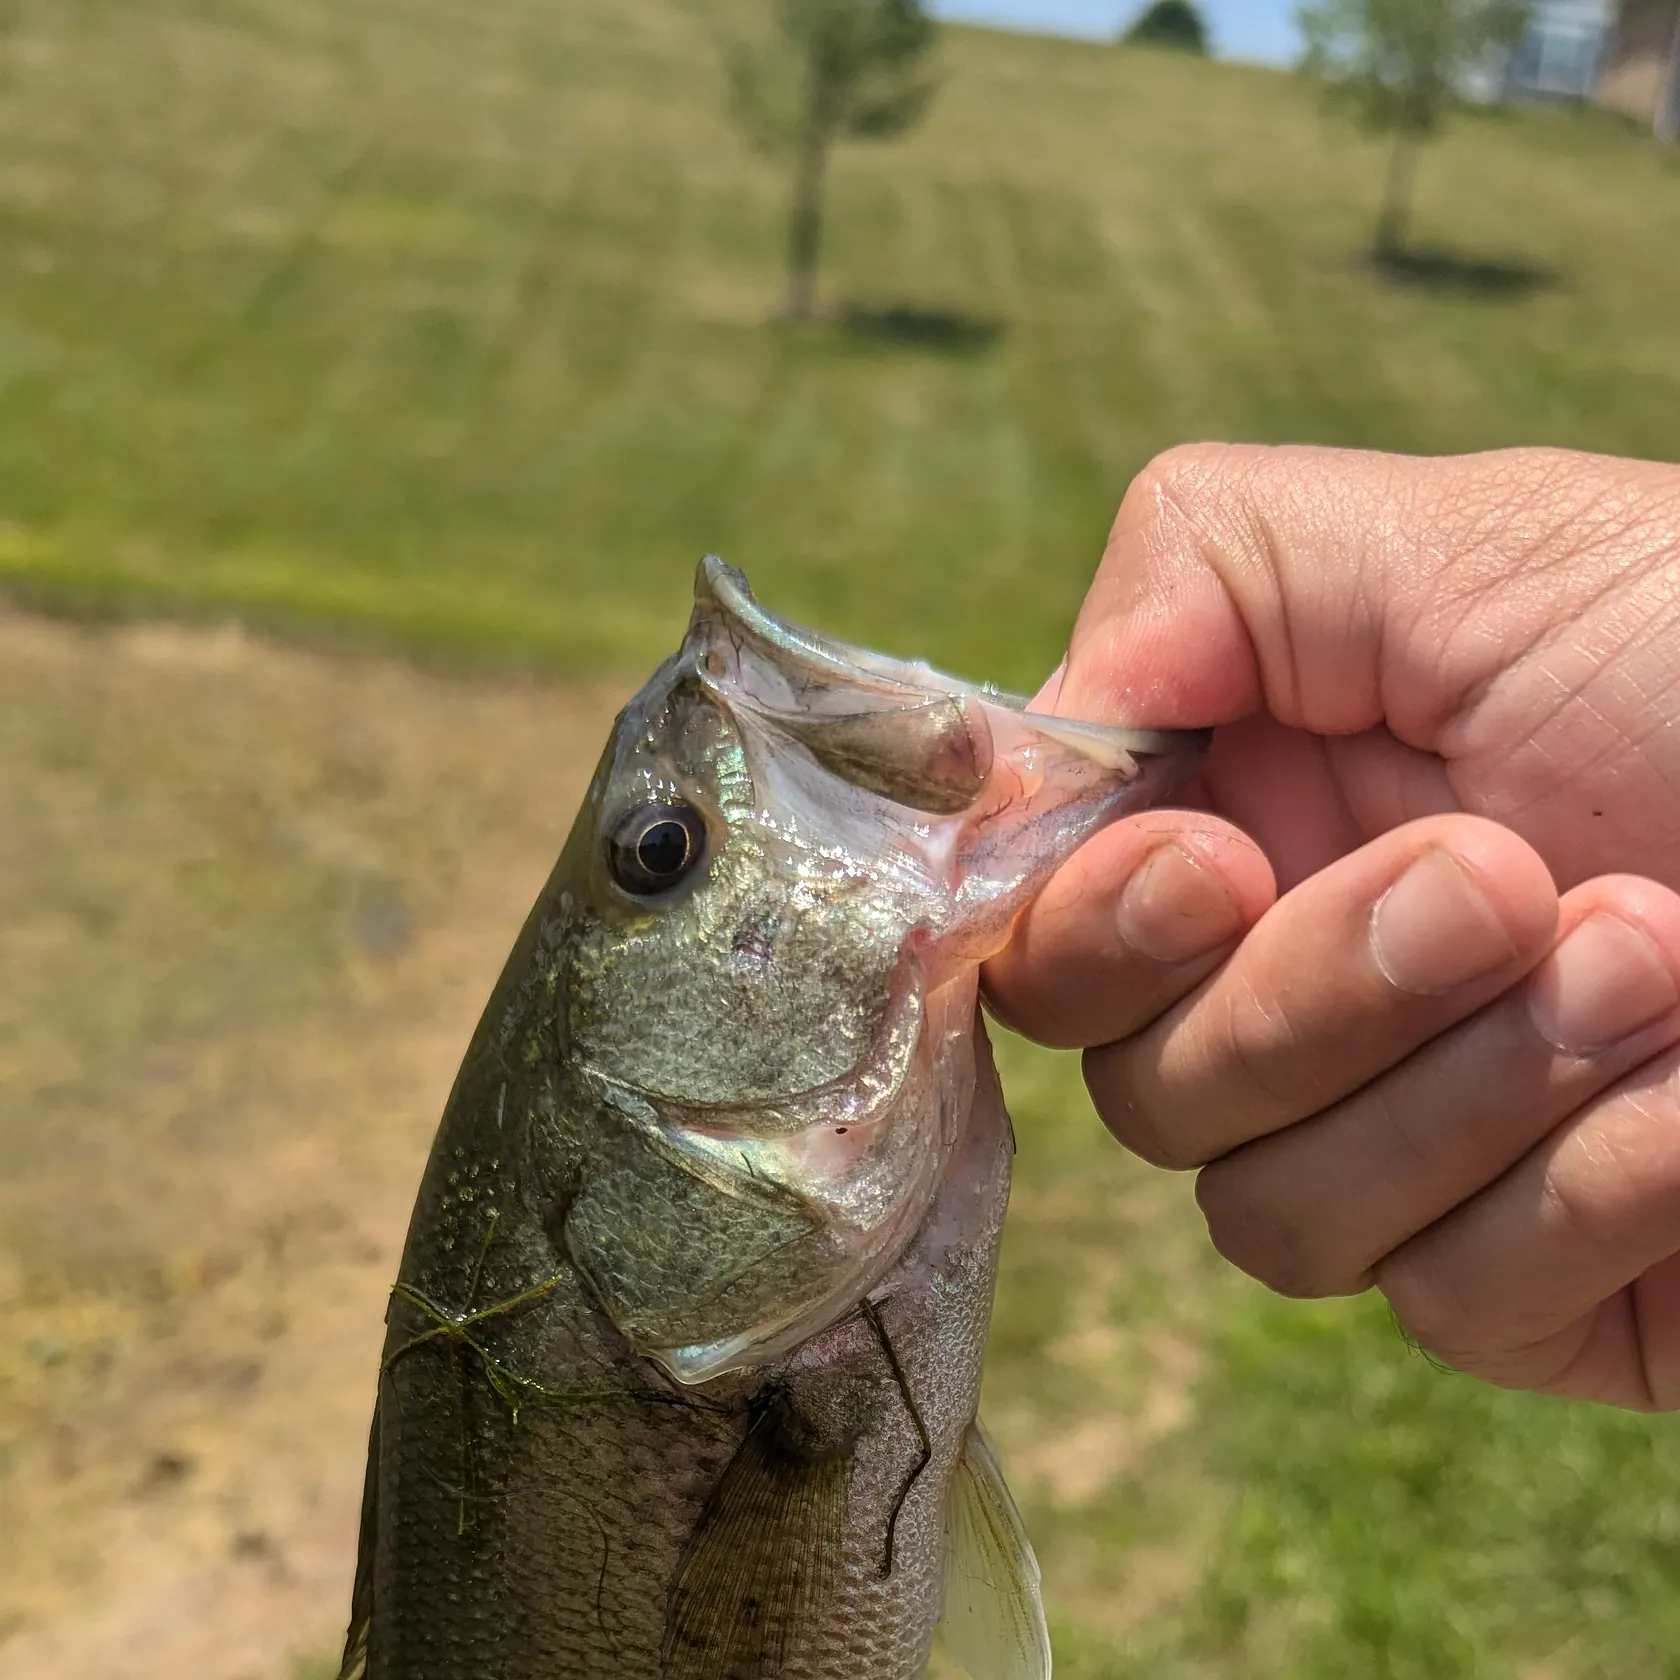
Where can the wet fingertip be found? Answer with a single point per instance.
(990, 1009)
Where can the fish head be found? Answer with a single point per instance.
(792, 859)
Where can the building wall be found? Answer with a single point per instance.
(1636, 70)
(1560, 54)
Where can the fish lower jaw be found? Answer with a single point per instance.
(866, 1167)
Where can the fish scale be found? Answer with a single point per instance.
(683, 1362)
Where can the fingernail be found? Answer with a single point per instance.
(1434, 930)
(1606, 980)
(1173, 909)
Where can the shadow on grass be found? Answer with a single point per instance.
(1435, 270)
(944, 332)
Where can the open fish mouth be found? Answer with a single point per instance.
(990, 797)
(788, 672)
(987, 793)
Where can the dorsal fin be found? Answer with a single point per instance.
(763, 1559)
(993, 1627)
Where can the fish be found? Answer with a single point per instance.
(682, 1366)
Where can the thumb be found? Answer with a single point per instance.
(1338, 590)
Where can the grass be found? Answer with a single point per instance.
(446, 324)
(1227, 1486)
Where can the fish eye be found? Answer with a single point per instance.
(656, 847)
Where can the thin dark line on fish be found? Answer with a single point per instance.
(601, 1579)
(872, 1313)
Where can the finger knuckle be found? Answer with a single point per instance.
(1259, 1237)
(1430, 1303)
(1194, 480)
(1259, 1045)
(1135, 1121)
(1586, 1213)
(1602, 1180)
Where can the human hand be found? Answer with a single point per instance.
(1449, 692)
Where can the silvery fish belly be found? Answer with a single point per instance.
(681, 1372)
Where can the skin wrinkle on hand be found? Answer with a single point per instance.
(1261, 1037)
(1660, 1395)
(1632, 639)
(1386, 783)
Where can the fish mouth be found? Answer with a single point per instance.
(813, 664)
(953, 804)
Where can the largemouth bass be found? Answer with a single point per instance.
(681, 1373)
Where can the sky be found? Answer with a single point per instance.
(1261, 30)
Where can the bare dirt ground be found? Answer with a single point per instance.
(251, 901)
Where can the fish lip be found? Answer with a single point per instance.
(727, 593)
(722, 594)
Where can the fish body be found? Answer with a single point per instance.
(682, 1367)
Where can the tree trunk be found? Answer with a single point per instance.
(805, 220)
(1396, 212)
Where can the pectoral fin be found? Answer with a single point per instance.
(763, 1559)
(993, 1626)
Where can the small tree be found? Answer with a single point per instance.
(839, 68)
(1402, 62)
(1169, 23)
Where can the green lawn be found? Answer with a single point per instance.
(445, 322)
(1256, 1489)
